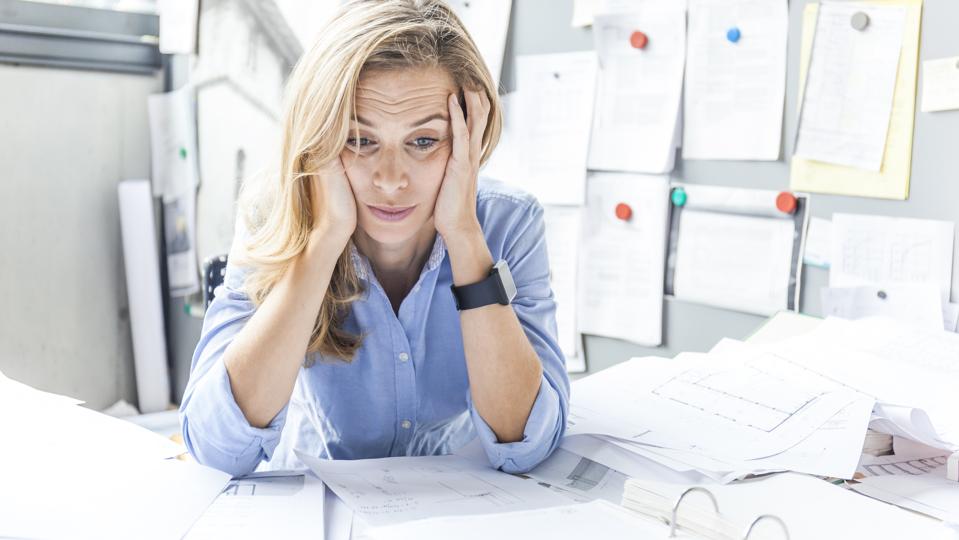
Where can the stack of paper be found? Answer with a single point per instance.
(70, 468)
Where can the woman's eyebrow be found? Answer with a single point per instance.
(430, 118)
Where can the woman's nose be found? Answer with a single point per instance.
(390, 174)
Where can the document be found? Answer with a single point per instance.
(550, 124)
(623, 256)
(173, 141)
(885, 251)
(818, 244)
(639, 90)
(178, 25)
(919, 305)
(848, 94)
(940, 84)
(734, 250)
(393, 490)
(265, 505)
(579, 478)
(735, 90)
(598, 519)
(563, 226)
(892, 181)
(488, 23)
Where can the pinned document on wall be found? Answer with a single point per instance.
(735, 79)
(639, 86)
(622, 257)
(563, 226)
(488, 23)
(917, 305)
(940, 84)
(887, 251)
(547, 127)
(891, 180)
(173, 142)
(736, 248)
(178, 25)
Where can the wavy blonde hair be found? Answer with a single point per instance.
(364, 35)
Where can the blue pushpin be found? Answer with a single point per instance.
(733, 35)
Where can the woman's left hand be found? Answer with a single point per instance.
(455, 211)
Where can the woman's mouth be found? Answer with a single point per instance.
(391, 213)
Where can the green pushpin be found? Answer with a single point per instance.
(182, 153)
(678, 196)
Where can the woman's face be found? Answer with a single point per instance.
(397, 164)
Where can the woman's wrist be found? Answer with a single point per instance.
(470, 258)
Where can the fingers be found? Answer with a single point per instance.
(478, 105)
(460, 130)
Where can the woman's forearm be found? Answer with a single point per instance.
(503, 368)
(265, 357)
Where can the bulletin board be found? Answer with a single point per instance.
(543, 26)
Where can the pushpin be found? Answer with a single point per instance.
(882, 295)
(786, 202)
(860, 20)
(182, 153)
(624, 212)
(733, 35)
(638, 40)
(678, 196)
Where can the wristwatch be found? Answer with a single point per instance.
(498, 288)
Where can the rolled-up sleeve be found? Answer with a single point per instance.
(535, 307)
(214, 429)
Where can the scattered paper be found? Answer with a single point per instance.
(918, 305)
(735, 91)
(639, 90)
(622, 260)
(579, 478)
(940, 84)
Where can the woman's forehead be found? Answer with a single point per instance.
(404, 91)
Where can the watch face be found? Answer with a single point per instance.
(506, 281)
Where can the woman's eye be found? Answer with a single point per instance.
(363, 141)
(424, 143)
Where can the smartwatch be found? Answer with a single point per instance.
(498, 288)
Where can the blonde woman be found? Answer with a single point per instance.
(381, 299)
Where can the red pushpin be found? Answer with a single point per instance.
(638, 40)
(623, 211)
(786, 202)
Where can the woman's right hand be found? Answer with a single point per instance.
(333, 204)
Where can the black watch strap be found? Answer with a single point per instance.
(497, 288)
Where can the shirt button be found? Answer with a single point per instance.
(404, 357)
(406, 424)
(416, 288)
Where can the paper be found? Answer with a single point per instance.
(793, 498)
(735, 250)
(487, 23)
(144, 292)
(579, 478)
(563, 224)
(178, 25)
(886, 251)
(950, 316)
(847, 99)
(918, 305)
(549, 125)
(393, 490)
(599, 519)
(940, 84)
(892, 182)
(638, 91)
(271, 505)
(175, 179)
(583, 13)
(733, 408)
(337, 518)
(621, 261)
(735, 91)
(818, 242)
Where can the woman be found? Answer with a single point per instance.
(367, 309)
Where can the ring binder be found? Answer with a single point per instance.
(777, 519)
(673, 517)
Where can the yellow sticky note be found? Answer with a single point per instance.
(892, 181)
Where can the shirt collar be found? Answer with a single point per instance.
(363, 268)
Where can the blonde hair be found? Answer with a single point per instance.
(364, 35)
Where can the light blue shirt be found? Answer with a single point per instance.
(407, 391)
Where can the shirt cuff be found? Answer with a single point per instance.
(216, 432)
(544, 429)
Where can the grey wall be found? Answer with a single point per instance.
(68, 137)
(542, 26)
